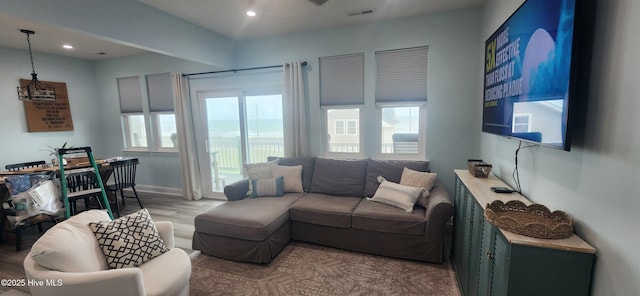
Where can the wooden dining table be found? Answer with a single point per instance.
(104, 165)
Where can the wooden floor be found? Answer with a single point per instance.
(161, 207)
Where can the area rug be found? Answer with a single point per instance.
(306, 269)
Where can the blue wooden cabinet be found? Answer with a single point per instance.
(490, 261)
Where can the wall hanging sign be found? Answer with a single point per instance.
(43, 116)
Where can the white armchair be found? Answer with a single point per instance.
(67, 260)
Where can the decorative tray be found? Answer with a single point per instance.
(534, 220)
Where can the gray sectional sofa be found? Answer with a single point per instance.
(331, 211)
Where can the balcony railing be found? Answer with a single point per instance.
(227, 152)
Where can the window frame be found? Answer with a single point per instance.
(126, 132)
(347, 128)
(422, 131)
(157, 133)
(343, 127)
(325, 131)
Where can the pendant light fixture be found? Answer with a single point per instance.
(34, 91)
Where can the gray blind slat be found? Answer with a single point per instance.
(342, 80)
(130, 95)
(402, 75)
(160, 92)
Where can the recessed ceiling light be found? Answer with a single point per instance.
(251, 13)
(67, 46)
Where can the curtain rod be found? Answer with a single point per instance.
(304, 63)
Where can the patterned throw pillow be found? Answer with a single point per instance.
(268, 187)
(292, 177)
(397, 195)
(419, 179)
(130, 240)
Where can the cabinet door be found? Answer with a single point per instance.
(477, 219)
(500, 268)
(458, 222)
(486, 258)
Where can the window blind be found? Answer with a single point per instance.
(160, 92)
(130, 95)
(401, 75)
(342, 80)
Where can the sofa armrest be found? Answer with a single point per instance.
(438, 211)
(165, 230)
(123, 281)
(237, 190)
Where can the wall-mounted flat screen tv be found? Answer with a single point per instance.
(529, 78)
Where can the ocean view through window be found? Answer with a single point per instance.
(243, 128)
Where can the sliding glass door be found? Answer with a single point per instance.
(235, 128)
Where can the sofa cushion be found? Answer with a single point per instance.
(400, 196)
(292, 177)
(339, 177)
(307, 164)
(52, 249)
(327, 210)
(129, 240)
(251, 218)
(390, 170)
(379, 217)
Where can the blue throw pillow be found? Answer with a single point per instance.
(268, 187)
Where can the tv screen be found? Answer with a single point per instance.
(528, 72)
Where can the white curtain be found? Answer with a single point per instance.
(190, 171)
(296, 141)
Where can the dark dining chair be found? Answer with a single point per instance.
(124, 176)
(87, 183)
(24, 165)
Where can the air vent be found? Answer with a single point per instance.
(360, 12)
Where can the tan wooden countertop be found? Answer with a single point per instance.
(480, 188)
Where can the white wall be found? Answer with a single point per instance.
(19, 145)
(597, 183)
(453, 67)
(157, 169)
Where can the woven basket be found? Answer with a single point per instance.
(478, 168)
(534, 220)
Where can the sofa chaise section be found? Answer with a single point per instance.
(247, 230)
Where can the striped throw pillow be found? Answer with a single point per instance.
(397, 195)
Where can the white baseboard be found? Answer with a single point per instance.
(158, 190)
(170, 191)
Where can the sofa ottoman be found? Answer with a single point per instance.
(249, 230)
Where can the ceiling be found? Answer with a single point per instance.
(228, 18)
(277, 17)
(49, 39)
